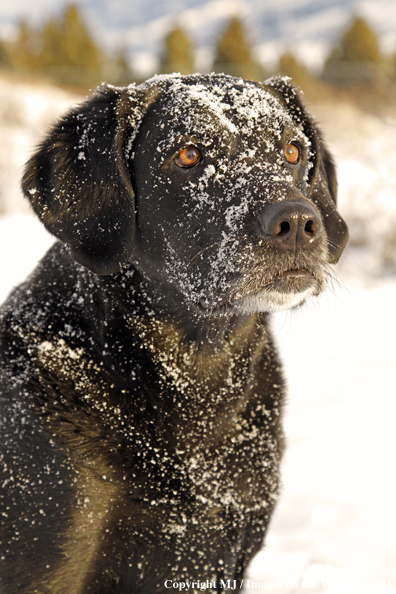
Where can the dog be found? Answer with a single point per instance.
(141, 391)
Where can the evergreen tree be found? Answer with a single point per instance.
(234, 54)
(117, 71)
(23, 53)
(69, 54)
(4, 55)
(360, 43)
(357, 56)
(289, 66)
(178, 53)
(64, 52)
(51, 59)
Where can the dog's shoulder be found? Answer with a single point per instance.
(48, 335)
(39, 306)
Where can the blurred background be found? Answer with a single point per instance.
(334, 528)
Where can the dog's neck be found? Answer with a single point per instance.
(213, 349)
(223, 378)
(144, 303)
(189, 349)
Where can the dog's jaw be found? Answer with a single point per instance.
(273, 301)
(286, 290)
(265, 301)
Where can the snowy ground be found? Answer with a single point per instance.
(334, 529)
(336, 518)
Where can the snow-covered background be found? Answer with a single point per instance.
(334, 529)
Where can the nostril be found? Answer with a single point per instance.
(309, 228)
(312, 227)
(284, 229)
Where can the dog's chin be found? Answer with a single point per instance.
(272, 301)
(286, 291)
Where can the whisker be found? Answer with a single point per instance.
(202, 251)
(335, 281)
(333, 243)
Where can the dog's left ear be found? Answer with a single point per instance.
(322, 176)
(78, 181)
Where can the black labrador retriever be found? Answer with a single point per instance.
(140, 389)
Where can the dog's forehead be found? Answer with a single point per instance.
(236, 106)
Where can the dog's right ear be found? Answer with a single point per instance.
(78, 181)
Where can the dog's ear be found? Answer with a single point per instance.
(78, 181)
(323, 192)
(322, 175)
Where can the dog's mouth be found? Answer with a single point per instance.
(290, 286)
(293, 280)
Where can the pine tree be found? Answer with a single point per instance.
(234, 54)
(289, 66)
(23, 52)
(51, 59)
(64, 52)
(178, 53)
(357, 56)
(360, 43)
(4, 55)
(69, 55)
(116, 70)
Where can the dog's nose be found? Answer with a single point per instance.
(292, 224)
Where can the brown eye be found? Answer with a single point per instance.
(188, 157)
(292, 153)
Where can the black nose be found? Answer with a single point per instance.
(292, 224)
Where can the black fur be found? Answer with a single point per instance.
(140, 390)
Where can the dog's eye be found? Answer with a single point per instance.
(292, 153)
(188, 157)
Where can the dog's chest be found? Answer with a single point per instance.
(197, 425)
(217, 414)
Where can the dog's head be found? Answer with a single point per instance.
(217, 187)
